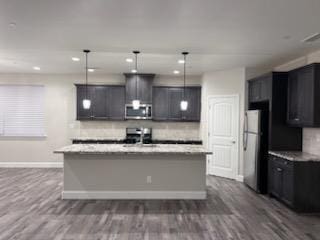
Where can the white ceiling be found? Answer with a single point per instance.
(219, 34)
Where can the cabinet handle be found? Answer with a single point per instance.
(296, 119)
(279, 169)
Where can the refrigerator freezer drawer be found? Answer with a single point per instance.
(251, 155)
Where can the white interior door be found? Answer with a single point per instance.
(223, 136)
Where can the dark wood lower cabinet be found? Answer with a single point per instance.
(295, 183)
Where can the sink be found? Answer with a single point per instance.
(139, 145)
(148, 145)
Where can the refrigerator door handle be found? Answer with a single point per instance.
(245, 133)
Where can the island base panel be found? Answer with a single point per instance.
(171, 176)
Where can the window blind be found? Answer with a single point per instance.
(22, 110)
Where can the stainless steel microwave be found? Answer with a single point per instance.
(144, 112)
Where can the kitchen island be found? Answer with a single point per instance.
(129, 171)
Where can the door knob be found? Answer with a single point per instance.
(233, 142)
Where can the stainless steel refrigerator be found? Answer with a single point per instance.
(252, 147)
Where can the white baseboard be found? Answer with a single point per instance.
(239, 178)
(133, 195)
(31, 164)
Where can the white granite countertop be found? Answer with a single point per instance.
(296, 156)
(133, 149)
(97, 139)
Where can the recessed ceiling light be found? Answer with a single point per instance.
(12, 25)
(181, 61)
(76, 59)
(133, 70)
(36, 68)
(129, 60)
(176, 72)
(287, 37)
(90, 69)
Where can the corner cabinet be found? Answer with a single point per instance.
(304, 96)
(107, 102)
(166, 104)
(293, 183)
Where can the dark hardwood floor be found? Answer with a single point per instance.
(31, 208)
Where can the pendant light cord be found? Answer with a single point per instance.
(86, 75)
(184, 76)
(86, 51)
(136, 75)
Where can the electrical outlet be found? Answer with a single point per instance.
(149, 179)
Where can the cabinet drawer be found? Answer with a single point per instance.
(282, 161)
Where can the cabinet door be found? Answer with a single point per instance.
(293, 99)
(254, 90)
(99, 102)
(265, 88)
(275, 178)
(193, 96)
(145, 89)
(174, 99)
(160, 103)
(131, 92)
(305, 96)
(116, 102)
(287, 185)
(139, 87)
(84, 114)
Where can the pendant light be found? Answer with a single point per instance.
(184, 102)
(86, 102)
(136, 101)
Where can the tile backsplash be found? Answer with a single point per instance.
(311, 140)
(116, 129)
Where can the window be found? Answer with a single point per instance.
(22, 110)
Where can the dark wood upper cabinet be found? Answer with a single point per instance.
(193, 96)
(271, 99)
(254, 90)
(260, 89)
(99, 102)
(116, 102)
(160, 104)
(304, 96)
(139, 86)
(84, 92)
(107, 102)
(174, 99)
(166, 104)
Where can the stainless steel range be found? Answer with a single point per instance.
(139, 135)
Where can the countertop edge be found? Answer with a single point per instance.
(132, 153)
(295, 156)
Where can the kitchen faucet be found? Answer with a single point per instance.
(141, 135)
